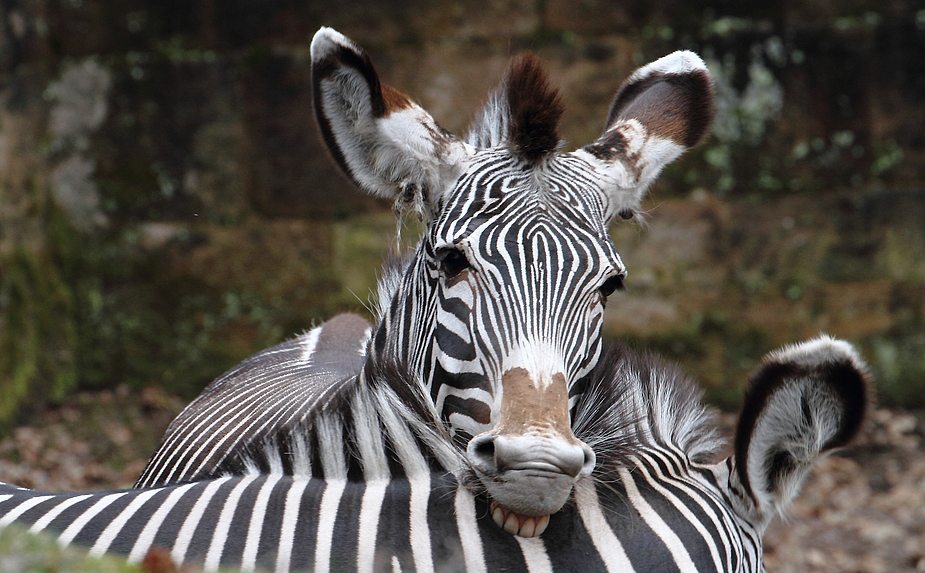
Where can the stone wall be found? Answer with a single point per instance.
(166, 207)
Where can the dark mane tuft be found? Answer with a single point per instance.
(535, 109)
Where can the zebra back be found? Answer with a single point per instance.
(267, 395)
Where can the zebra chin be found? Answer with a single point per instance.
(521, 504)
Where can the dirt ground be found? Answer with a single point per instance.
(860, 511)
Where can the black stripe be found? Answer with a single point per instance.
(645, 550)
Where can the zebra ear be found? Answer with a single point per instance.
(663, 109)
(388, 145)
(803, 402)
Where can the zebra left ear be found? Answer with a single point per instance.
(804, 401)
(662, 110)
(388, 145)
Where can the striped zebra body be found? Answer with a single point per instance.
(275, 522)
(379, 486)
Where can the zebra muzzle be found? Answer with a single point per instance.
(530, 462)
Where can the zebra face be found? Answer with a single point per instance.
(521, 265)
(500, 311)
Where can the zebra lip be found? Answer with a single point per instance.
(517, 524)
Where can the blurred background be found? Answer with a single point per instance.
(167, 209)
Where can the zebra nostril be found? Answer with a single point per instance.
(481, 451)
(590, 460)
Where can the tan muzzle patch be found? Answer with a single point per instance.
(531, 407)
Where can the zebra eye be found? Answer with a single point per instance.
(452, 261)
(613, 283)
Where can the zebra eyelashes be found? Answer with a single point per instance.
(612, 284)
(452, 261)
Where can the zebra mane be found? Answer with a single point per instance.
(390, 282)
(523, 113)
(635, 400)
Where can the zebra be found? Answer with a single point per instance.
(379, 485)
(485, 428)
(499, 310)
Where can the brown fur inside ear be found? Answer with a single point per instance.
(535, 109)
(673, 106)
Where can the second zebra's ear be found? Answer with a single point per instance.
(804, 401)
(388, 145)
(659, 112)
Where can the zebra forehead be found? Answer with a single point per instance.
(560, 194)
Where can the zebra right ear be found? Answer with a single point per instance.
(804, 401)
(388, 145)
(659, 112)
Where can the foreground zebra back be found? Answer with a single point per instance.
(268, 394)
(378, 486)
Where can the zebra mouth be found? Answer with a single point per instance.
(517, 524)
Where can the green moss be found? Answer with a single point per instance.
(37, 334)
(898, 363)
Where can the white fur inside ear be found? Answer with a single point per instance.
(795, 426)
(676, 63)
(388, 145)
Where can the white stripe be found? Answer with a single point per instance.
(20, 509)
(369, 441)
(605, 541)
(534, 554)
(364, 340)
(473, 555)
(327, 515)
(146, 537)
(249, 557)
(74, 528)
(694, 521)
(263, 387)
(43, 522)
(308, 342)
(5, 496)
(220, 534)
(185, 536)
(369, 523)
(329, 431)
(680, 555)
(115, 526)
(420, 532)
(290, 521)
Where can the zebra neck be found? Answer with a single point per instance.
(404, 334)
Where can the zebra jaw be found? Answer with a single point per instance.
(517, 524)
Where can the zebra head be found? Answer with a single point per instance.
(500, 310)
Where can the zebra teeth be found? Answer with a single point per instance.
(517, 524)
